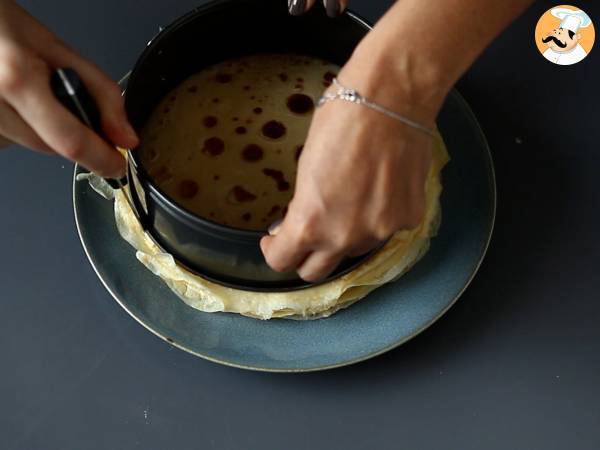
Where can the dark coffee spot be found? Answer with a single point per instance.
(235, 119)
(273, 129)
(213, 146)
(299, 151)
(223, 77)
(193, 89)
(300, 103)
(283, 77)
(210, 121)
(274, 210)
(161, 174)
(246, 88)
(252, 153)
(240, 195)
(253, 97)
(152, 154)
(329, 76)
(173, 98)
(166, 110)
(216, 177)
(258, 110)
(241, 130)
(300, 80)
(187, 189)
(277, 175)
(215, 100)
(247, 217)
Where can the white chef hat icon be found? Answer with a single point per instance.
(571, 19)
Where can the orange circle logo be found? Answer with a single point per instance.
(565, 35)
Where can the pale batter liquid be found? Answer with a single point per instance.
(225, 143)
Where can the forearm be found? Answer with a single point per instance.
(425, 46)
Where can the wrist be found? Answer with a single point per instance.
(407, 82)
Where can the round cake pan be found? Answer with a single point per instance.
(210, 34)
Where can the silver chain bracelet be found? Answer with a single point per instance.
(351, 95)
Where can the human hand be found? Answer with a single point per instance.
(362, 174)
(361, 177)
(29, 113)
(333, 7)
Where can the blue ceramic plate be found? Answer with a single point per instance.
(388, 317)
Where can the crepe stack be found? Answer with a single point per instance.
(400, 253)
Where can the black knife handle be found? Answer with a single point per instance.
(71, 92)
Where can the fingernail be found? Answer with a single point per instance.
(296, 7)
(333, 7)
(274, 228)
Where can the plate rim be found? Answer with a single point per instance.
(494, 197)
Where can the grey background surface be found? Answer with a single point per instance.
(515, 364)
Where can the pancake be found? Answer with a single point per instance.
(197, 152)
(225, 143)
(400, 253)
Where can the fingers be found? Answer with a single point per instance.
(285, 251)
(58, 128)
(335, 7)
(296, 244)
(298, 7)
(106, 93)
(14, 130)
(289, 244)
(32, 116)
(318, 265)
